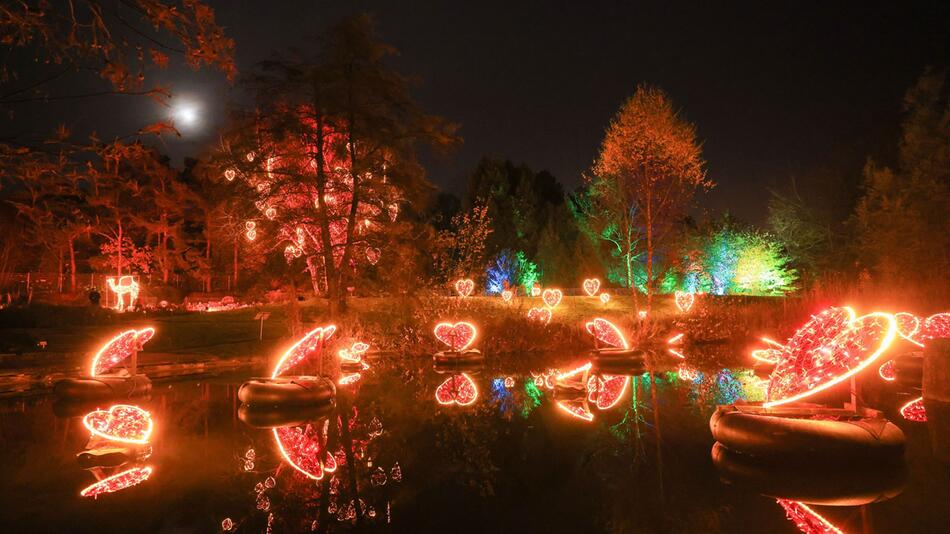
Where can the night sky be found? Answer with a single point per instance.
(773, 91)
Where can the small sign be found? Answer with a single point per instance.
(262, 316)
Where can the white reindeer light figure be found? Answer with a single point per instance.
(127, 284)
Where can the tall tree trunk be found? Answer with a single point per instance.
(333, 285)
(649, 225)
(59, 268)
(72, 264)
(235, 264)
(119, 249)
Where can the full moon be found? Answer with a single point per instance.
(186, 114)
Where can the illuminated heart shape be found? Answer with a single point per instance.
(458, 336)
(464, 287)
(936, 326)
(591, 285)
(915, 411)
(803, 373)
(506, 295)
(302, 448)
(606, 391)
(684, 300)
(118, 349)
(302, 349)
(372, 255)
(124, 423)
(604, 298)
(541, 315)
(552, 297)
(457, 389)
(607, 333)
(887, 371)
(535, 291)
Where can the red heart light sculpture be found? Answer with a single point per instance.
(803, 373)
(607, 333)
(607, 390)
(457, 389)
(464, 287)
(604, 298)
(118, 349)
(118, 482)
(908, 326)
(591, 285)
(552, 297)
(541, 315)
(457, 336)
(124, 423)
(302, 349)
(535, 291)
(303, 448)
(915, 411)
(372, 255)
(936, 326)
(506, 295)
(684, 300)
(820, 329)
(807, 520)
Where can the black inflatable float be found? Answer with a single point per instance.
(274, 417)
(103, 387)
(110, 455)
(464, 357)
(822, 484)
(287, 391)
(805, 433)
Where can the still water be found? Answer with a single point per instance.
(511, 461)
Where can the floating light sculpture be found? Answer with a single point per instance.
(552, 297)
(887, 372)
(506, 295)
(576, 378)
(608, 333)
(302, 349)
(354, 355)
(349, 378)
(464, 287)
(591, 285)
(541, 315)
(123, 423)
(915, 411)
(676, 339)
(604, 298)
(607, 390)
(118, 482)
(684, 300)
(806, 519)
(458, 336)
(642, 314)
(820, 329)
(118, 349)
(908, 327)
(125, 286)
(803, 373)
(301, 446)
(229, 175)
(536, 291)
(936, 326)
(458, 389)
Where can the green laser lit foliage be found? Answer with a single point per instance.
(736, 262)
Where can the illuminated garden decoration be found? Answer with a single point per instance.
(118, 482)
(908, 327)
(540, 315)
(353, 356)
(887, 372)
(604, 298)
(458, 336)
(535, 290)
(914, 411)
(936, 326)
(506, 295)
(684, 300)
(302, 349)
(607, 390)
(117, 349)
(552, 297)
(816, 362)
(302, 447)
(577, 408)
(607, 333)
(464, 287)
(806, 519)
(591, 286)
(123, 423)
(458, 389)
(125, 286)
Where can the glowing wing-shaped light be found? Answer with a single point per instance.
(914, 411)
(117, 349)
(607, 333)
(806, 519)
(118, 482)
(302, 448)
(302, 349)
(458, 336)
(606, 391)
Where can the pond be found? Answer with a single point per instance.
(511, 460)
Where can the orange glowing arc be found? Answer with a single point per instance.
(580, 411)
(302, 348)
(118, 482)
(119, 348)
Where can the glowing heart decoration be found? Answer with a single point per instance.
(552, 297)
(457, 389)
(887, 371)
(684, 300)
(604, 298)
(535, 291)
(303, 348)
(577, 408)
(803, 373)
(915, 411)
(607, 333)
(591, 285)
(506, 295)
(541, 315)
(303, 448)
(464, 287)
(118, 482)
(372, 255)
(936, 326)
(457, 336)
(118, 349)
(123, 423)
(820, 329)
(607, 390)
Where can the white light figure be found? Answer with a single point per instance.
(126, 285)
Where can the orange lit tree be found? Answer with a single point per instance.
(327, 156)
(647, 172)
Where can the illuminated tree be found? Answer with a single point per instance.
(463, 246)
(762, 267)
(648, 170)
(327, 156)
